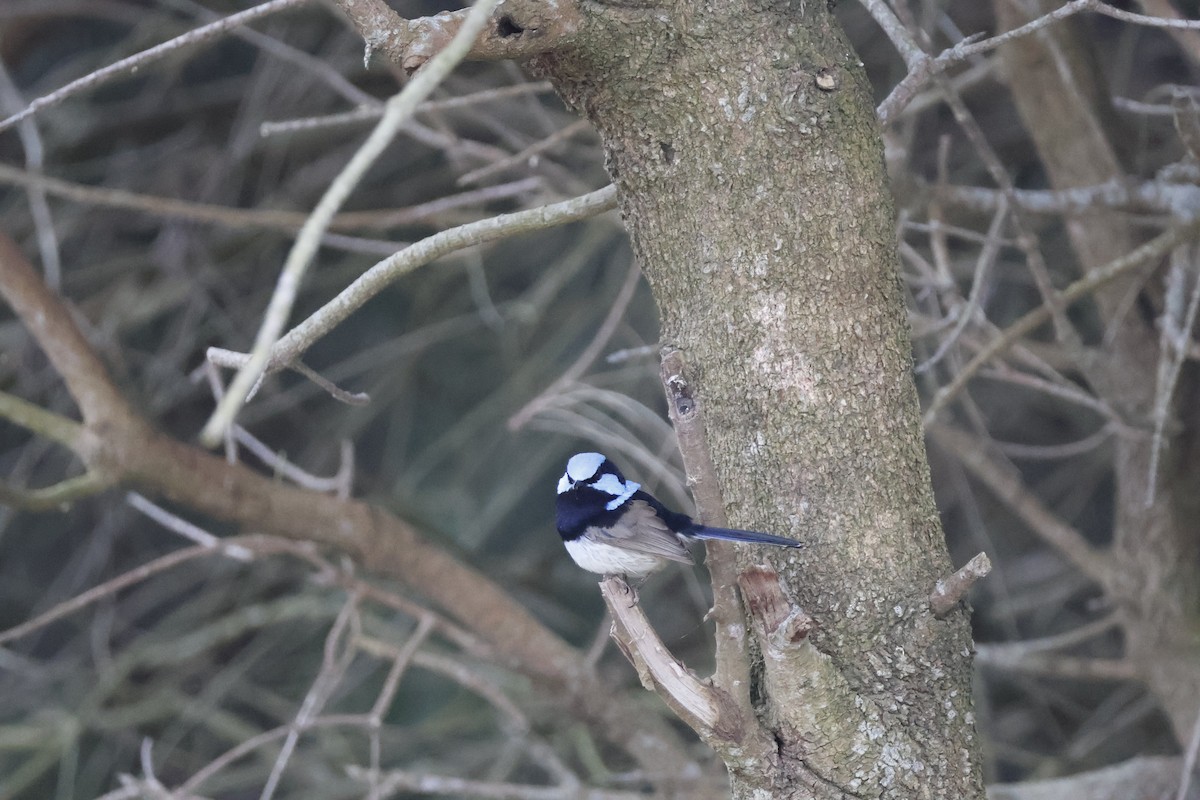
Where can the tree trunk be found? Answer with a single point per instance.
(744, 144)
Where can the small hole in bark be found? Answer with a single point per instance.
(507, 27)
(668, 152)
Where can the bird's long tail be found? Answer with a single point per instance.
(734, 535)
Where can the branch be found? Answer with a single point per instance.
(258, 218)
(922, 70)
(732, 661)
(950, 591)
(34, 418)
(394, 782)
(1180, 200)
(56, 497)
(397, 110)
(370, 283)
(518, 29)
(1138, 777)
(708, 710)
(109, 587)
(135, 454)
(1005, 482)
(1075, 668)
(50, 323)
(140, 60)
(616, 314)
(1153, 249)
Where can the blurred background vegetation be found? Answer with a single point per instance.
(203, 657)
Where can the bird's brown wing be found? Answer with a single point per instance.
(640, 529)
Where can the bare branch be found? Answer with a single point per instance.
(397, 782)
(37, 419)
(271, 219)
(519, 29)
(590, 353)
(49, 322)
(56, 497)
(907, 89)
(684, 407)
(1188, 770)
(105, 589)
(1096, 278)
(524, 156)
(366, 114)
(140, 60)
(1138, 777)
(304, 335)
(1006, 483)
(922, 69)
(992, 656)
(135, 454)
(1178, 321)
(708, 710)
(950, 591)
(396, 111)
(31, 141)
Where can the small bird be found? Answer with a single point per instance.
(611, 527)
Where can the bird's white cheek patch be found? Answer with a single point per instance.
(620, 490)
(619, 500)
(604, 559)
(564, 484)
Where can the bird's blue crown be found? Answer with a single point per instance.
(596, 472)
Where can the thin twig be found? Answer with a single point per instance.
(604, 333)
(56, 497)
(397, 782)
(907, 89)
(368, 113)
(1026, 237)
(1175, 332)
(1153, 249)
(38, 420)
(306, 62)
(339, 652)
(186, 529)
(31, 141)
(261, 218)
(914, 57)
(1005, 482)
(140, 60)
(968, 310)
(109, 587)
(304, 335)
(1188, 770)
(520, 158)
(283, 467)
(398, 109)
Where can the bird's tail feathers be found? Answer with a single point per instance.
(734, 535)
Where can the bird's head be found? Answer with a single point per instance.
(592, 471)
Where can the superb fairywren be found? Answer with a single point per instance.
(610, 526)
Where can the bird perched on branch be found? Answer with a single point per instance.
(611, 527)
